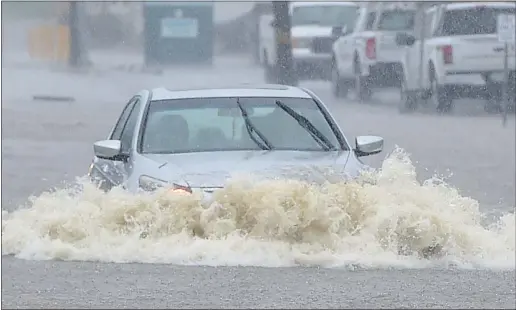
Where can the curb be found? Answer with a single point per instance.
(53, 98)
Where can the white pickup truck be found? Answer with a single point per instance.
(461, 58)
(311, 34)
(366, 56)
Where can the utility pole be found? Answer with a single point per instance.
(505, 85)
(284, 64)
(73, 24)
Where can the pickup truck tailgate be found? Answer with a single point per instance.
(387, 50)
(398, 18)
(472, 41)
(479, 53)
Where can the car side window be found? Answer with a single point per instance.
(117, 132)
(371, 17)
(438, 24)
(130, 127)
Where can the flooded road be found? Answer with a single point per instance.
(47, 143)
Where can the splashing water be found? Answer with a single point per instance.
(383, 219)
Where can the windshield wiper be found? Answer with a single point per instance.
(265, 145)
(308, 126)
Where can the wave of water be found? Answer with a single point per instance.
(384, 219)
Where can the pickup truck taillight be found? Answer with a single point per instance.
(447, 54)
(370, 48)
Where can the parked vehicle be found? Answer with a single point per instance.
(461, 58)
(365, 56)
(312, 39)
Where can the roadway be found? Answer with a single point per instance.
(48, 144)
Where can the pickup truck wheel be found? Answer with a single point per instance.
(408, 100)
(362, 87)
(441, 99)
(340, 87)
(492, 106)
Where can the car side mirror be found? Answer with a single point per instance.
(405, 39)
(368, 145)
(109, 149)
(337, 31)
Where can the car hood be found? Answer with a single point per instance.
(311, 31)
(213, 169)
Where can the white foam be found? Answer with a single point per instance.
(274, 223)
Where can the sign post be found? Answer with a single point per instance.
(506, 33)
(75, 50)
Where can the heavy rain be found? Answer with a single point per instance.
(429, 224)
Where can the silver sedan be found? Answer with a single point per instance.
(195, 140)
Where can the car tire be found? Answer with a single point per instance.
(339, 86)
(492, 106)
(408, 100)
(494, 102)
(440, 97)
(362, 86)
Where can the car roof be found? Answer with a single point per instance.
(469, 5)
(265, 90)
(323, 3)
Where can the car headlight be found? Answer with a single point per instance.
(150, 184)
(301, 42)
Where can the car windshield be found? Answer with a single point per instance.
(216, 124)
(396, 20)
(324, 15)
(479, 20)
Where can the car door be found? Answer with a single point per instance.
(347, 45)
(125, 168)
(344, 50)
(342, 53)
(108, 171)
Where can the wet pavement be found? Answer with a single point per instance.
(45, 143)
